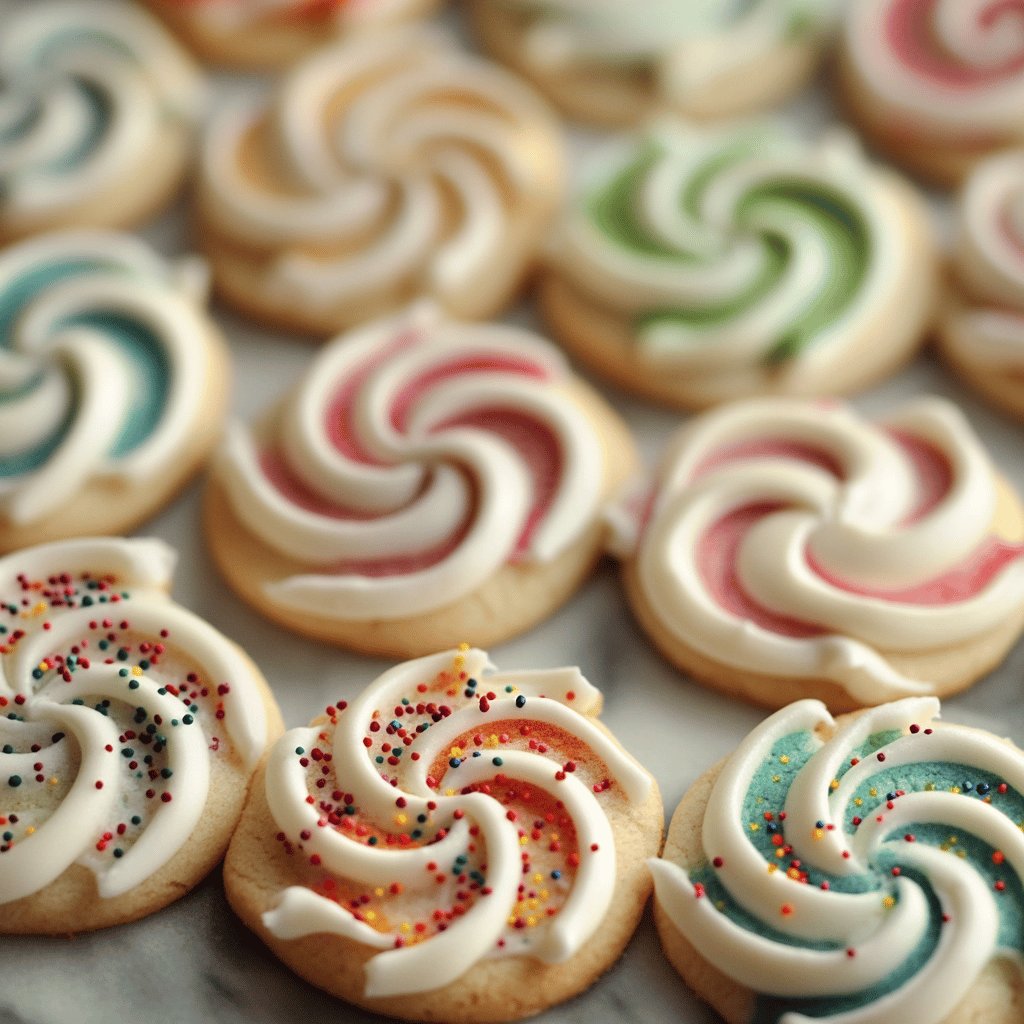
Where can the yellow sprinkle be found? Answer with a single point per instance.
(463, 647)
(888, 902)
(52, 780)
(962, 854)
(136, 671)
(819, 833)
(370, 915)
(952, 840)
(455, 752)
(929, 787)
(531, 922)
(400, 819)
(544, 895)
(492, 740)
(858, 802)
(512, 919)
(784, 759)
(755, 827)
(405, 927)
(780, 853)
(772, 868)
(523, 840)
(30, 830)
(872, 791)
(538, 878)
(450, 791)
(533, 903)
(378, 891)
(719, 904)
(776, 778)
(834, 784)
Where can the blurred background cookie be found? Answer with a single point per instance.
(383, 170)
(705, 264)
(428, 480)
(611, 63)
(98, 107)
(480, 862)
(131, 729)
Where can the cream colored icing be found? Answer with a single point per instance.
(69, 388)
(688, 240)
(523, 700)
(71, 800)
(424, 481)
(872, 936)
(960, 73)
(862, 529)
(420, 172)
(58, 149)
(690, 46)
(990, 262)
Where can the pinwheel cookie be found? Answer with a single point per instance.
(981, 331)
(113, 384)
(864, 870)
(98, 105)
(611, 62)
(129, 731)
(937, 84)
(428, 480)
(707, 264)
(385, 169)
(791, 549)
(276, 33)
(455, 845)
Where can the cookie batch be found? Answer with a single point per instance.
(450, 217)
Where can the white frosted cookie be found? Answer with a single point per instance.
(113, 384)
(791, 549)
(129, 731)
(981, 330)
(457, 844)
(383, 169)
(98, 106)
(936, 84)
(270, 34)
(864, 871)
(701, 265)
(428, 480)
(611, 63)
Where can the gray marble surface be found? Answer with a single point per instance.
(195, 962)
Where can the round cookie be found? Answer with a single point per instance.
(612, 63)
(864, 870)
(981, 330)
(384, 169)
(98, 107)
(708, 264)
(427, 480)
(790, 549)
(479, 858)
(130, 731)
(274, 34)
(113, 384)
(936, 84)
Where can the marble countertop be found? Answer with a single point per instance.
(196, 962)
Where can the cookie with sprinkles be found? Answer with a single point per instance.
(936, 84)
(113, 384)
(129, 732)
(700, 264)
(865, 870)
(981, 328)
(427, 480)
(790, 549)
(272, 34)
(458, 844)
(98, 108)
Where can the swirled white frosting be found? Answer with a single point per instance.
(735, 251)
(942, 67)
(404, 164)
(690, 45)
(416, 459)
(103, 368)
(990, 263)
(794, 539)
(449, 814)
(115, 701)
(89, 88)
(863, 879)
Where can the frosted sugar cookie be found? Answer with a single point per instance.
(706, 264)
(611, 62)
(129, 731)
(981, 330)
(937, 84)
(427, 480)
(98, 105)
(276, 33)
(792, 549)
(113, 384)
(866, 870)
(383, 170)
(457, 844)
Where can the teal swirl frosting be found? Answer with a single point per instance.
(103, 355)
(725, 250)
(879, 869)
